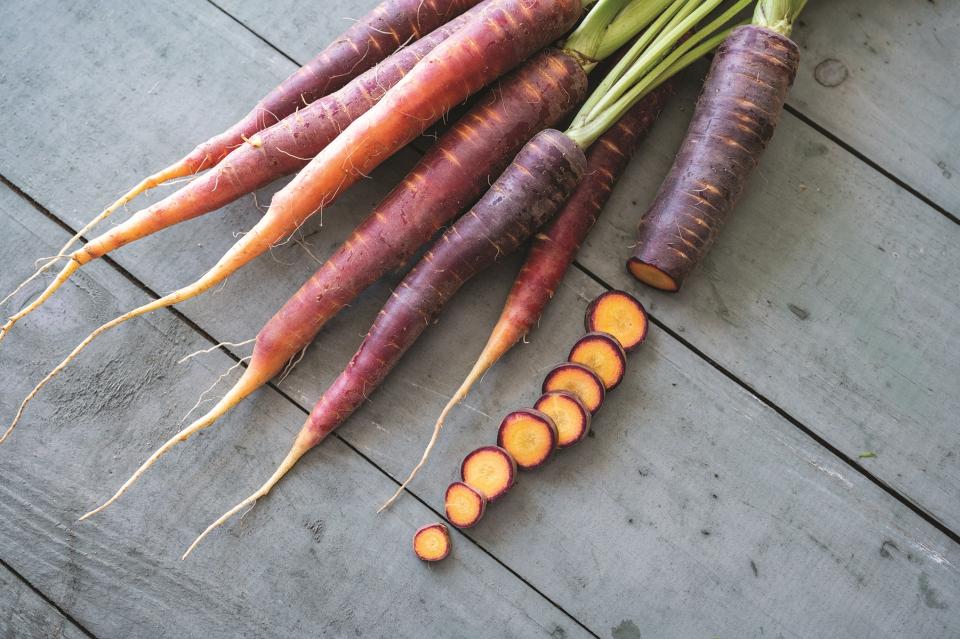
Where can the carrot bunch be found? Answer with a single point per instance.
(501, 176)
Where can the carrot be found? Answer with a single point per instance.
(579, 380)
(501, 36)
(528, 193)
(370, 40)
(734, 120)
(457, 169)
(530, 437)
(463, 504)
(490, 470)
(603, 354)
(667, 46)
(274, 152)
(432, 542)
(620, 315)
(568, 413)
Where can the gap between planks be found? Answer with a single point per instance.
(50, 602)
(216, 342)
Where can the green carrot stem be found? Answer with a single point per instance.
(631, 20)
(778, 15)
(587, 37)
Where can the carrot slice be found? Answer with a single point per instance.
(464, 504)
(432, 542)
(530, 436)
(620, 315)
(568, 413)
(491, 470)
(579, 380)
(603, 354)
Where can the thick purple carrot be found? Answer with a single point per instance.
(734, 120)
(279, 150)
(554, 248)
(527, 194)
(445, 182)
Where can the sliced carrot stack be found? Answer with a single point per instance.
(568, 413)
(530, 436)
(620, 315)
(603, 354)
(579, 380)
(432, 542)
(491, 470)
(464, 504)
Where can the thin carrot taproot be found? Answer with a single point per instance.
(500, 37)
(528, 193)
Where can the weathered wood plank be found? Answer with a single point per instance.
(887, 76)
(882, 76)
(25, 615)
(831, 291)
(327, 566)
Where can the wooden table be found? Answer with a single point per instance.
(782, 460)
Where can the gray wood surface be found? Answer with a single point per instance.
(25, 615)
(695, 510)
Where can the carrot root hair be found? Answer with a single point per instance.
(300, 447)
(499, 343)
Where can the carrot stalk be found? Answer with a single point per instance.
(528, 193)
(271, 153)
(552, 251)
(734, 120)
(501, 36)
(457, 168)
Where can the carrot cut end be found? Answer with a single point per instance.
(620, 315)
(530, 436)
(491, 470)
(568, 413)
(432, 542)
(603, 354)
(464, 504)
(652, 276)
(578, 380)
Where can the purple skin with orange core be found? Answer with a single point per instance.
(480, 500)
(509, 465)
(738, 110)
(597, 390)
(611, 348)
(583, 415)
(440, 527)
(546, 427)
(593, 323)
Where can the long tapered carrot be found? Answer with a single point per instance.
(734, 121)
(368, 41)
(500, 37)
(275, 151)
(553, 249)
(453, 173)
(528, 193)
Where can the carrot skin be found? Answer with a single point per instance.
(738, 110)
(279, 150)
(453, 173)
(528, 193)
(368, 41)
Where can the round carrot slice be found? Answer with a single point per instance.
(620, 315)
(603, 354)
(530, 437)
(568, 413)
(491, 470)
(432, 542)
(464, 504)
(579, 380)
